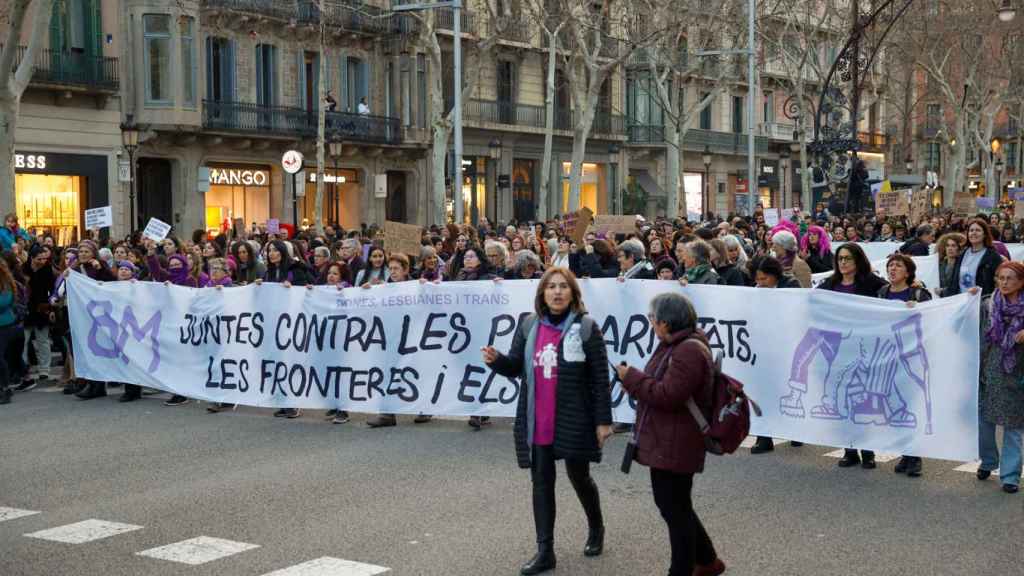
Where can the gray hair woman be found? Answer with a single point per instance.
(632, 262)
(785, 247)
(528, 265)
(668, 439)
(697, 263)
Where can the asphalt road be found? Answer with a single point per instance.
(438, 499)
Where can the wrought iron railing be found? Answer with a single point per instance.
(446, 20)
(353, 16)
(696, 139)
(245, 117)
(67, 68)
(532, 116)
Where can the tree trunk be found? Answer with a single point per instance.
(549, 125)
(580, 133)
(673, 160)
(13, 83)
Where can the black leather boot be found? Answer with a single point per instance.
(595, 542)
(93, 390)
(543, 561)
(74, 386)
(850, 458)
(763, 444)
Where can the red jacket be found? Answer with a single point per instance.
(668, 436)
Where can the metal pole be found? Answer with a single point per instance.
(295, 202)
(752, 83)
(133, 222)
(457, 53)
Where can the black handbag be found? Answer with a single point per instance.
(630, 453)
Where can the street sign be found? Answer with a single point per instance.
(292, 161)
(124, 171)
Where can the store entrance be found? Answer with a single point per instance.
(49, 204)
(154, 191)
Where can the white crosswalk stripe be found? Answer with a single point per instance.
(84, 531)
(328, 566)
(972, 467)
(199, 550)
(12, 513)
(749, 441)
(880, 457)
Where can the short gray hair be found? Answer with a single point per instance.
(526, 258)
(427, 252)
(632, 248)
(323, 251)
(924, 230)
(732, 242)
(497, 246)
(675, 310)
(350, 243)
(700, 250)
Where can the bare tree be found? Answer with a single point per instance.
(14, 82)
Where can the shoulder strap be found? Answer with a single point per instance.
(702, 422)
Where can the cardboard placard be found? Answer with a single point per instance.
(96, 218)
(580, 223)
(405, 238)
(615, 224)
(156, 229)
(892, 203)
(963, 203)
(274, 226)
(919, 205)
(1018, 209)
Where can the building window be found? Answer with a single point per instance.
(1011, 157)
(356, 80)
(506, 91)
(933, 117)
(405, 85)
(266, 75)
(421, 89)
(705, 113)
(157, 34)
(220, 70)
(769, 107)
(933, 157)
(737, 114)
(188, 62)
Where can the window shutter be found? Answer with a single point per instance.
(229, 71)
(94, 42)
(260, 80)
(343, 99)
(209, 68)
(300, 57)
(364, 80)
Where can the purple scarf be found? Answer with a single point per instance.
(1005, 321)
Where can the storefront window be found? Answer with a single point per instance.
(342, 198)
(474, 186)
(593, 177)
(50, 204)
(766, 197)
(237, 192)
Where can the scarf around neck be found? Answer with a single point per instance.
(692, 274)
(1005, 321)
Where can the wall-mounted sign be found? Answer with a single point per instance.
(292, 161)
(30, 161)
(238, 177)
(504, 181)
(328, 178)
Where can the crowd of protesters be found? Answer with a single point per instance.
(730, 251)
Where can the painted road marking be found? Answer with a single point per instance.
(328, 566)
(199, 550)
(84, 531)
(12, 513)
(749, 441)
(880, 457)
(972, 467)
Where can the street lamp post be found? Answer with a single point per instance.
(335, 146)
(705, 200)
(999, 179)
(613, 159)
(783, 168)
(130, 142)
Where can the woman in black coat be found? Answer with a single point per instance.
(852, 275)
(977, 263)
(564, 405)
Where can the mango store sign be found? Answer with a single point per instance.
(233, 176)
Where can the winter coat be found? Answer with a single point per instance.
(467, 275)
(248, 273)
(914, 247)
(8, 237)
(668, 438)
(819, 263)
(801, 271)
(582, 395)
(1000, 395)
(986, 275)
(731, 275)
(39, 284)
(591, 265)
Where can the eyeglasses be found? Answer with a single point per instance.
(845, 258)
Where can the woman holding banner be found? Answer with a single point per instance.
(1001, 394)
(852, 275)
(564, 406)
(977, 264)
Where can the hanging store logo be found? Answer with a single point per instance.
(239, 177)
(30, 161)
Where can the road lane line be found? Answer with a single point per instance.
(84, 531)
(880, 457)
(972, 467)
(328, 566)
(12, 513)
(199, 550)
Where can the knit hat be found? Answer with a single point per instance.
(128, 264)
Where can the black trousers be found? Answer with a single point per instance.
(9, 340)
(690, 542)
(543, 476)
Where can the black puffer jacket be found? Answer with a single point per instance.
(582, 397)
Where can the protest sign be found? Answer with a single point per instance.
(273, 226)
(615, 224)
(963, 203)
(771, 217)
(894, 203)
(156, 229)
(828, 368)
(1018, 209)
(96, 218)
(984, 203)
(406, 238)
(576, 224)
(919, 206)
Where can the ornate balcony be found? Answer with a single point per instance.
(64, 70)
(245, 117)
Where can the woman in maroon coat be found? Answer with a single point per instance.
(668, 439)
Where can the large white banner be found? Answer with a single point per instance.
(827, 368)
(927, 271)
